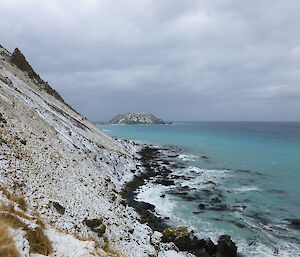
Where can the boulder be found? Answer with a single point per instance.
(210, 247)
(226, 247)
(184, 239)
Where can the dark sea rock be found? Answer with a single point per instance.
(226, 247)
(184, 239)
(210, 247)
(294, 222)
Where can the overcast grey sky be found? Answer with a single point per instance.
(178, 59)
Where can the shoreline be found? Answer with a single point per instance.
(158, 163)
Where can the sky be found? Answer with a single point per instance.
(225, 60)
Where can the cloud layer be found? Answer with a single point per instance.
(178, 59)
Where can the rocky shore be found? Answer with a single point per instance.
(158, 164)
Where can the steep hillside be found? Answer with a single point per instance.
(60, 176)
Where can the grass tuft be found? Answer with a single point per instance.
(11, 220)
(38, 241)
(7, 244)
(18, 199)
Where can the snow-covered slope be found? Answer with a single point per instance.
(68, 172)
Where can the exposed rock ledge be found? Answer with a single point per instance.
(136, 118)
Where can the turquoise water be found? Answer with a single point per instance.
(255, 165)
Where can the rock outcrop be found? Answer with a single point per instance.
(18, 59)
(136, 118)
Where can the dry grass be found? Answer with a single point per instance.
(18, 199)
(109, 250)
(10, 208)
(11, 220)
(38, 241)
(7, 244)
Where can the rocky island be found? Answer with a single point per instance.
(136, 118)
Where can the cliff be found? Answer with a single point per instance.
(61, 176)
(136, 118)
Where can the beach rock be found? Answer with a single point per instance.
(226, 247)
(184, 239)
(295, 222)
(210, 247)
(179, 236)
(201, 206)
(210, 183)
(165, 182)
(216, 200)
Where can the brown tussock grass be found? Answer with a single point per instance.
(38, 241)
(10, 208)
(18, 199)
(109, 250)
(11, 220)
(7, 244)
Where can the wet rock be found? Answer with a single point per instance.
(205, 157)
(210, 247)
(226, 247)
(294, 222)
(220, 207)
(183, 239)
(210, 183)
(165, 182)
(216, 200)
(201, 206)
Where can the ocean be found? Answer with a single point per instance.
(249, 170)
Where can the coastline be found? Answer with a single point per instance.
(158, 163)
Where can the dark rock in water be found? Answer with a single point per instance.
(145, 206)
(220, 207)
(205, 157)
(165, 182)
(163, 196)
(210, 247)
(294, 222)
(201, 206)
(210, 183)
(198, 212)
(216, 200)
(226, 247)
(60, 209)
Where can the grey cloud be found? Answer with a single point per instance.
(180, 59)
